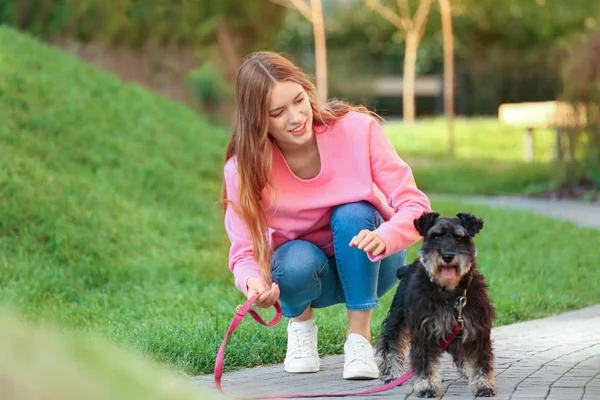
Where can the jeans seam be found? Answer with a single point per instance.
(274, 268)
(374, 219)
(288, 315)
(337, 261)
(321, 270)
(365, 306)
(319, 281)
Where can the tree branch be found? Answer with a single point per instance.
(303, 8)
(404, 9)
(298, 5)
(283, 3)
(421, 17)
(388, 14)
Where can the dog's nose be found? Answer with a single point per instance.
(447, 257)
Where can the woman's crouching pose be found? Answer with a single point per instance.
(319, 208)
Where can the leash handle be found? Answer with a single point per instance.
(246, 308)
(240, 313)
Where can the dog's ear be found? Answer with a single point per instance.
(471, 223)
(425, 222)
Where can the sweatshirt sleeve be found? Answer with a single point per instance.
(394, 178)
(241, 256)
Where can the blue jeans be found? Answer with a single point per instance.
(307, 277)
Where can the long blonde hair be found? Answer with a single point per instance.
(251, 143)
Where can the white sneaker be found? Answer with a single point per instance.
(359, 360)
(302, 355)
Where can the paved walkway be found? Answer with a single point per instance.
(555, 358)
(580, 212)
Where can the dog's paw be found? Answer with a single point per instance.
(427, 393)
(386, 376)
(485, 392)
(426, 388)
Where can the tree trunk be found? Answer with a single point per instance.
(229, 50)
(320, 49)
(408, 81)
(231, 59)
(448, 71)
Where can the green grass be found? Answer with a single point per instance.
(488, 156)
(475, 138)
(109, 223)
(45, 362)
(464, 177)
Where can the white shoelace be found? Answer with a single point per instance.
(359, 350)
(303, 345)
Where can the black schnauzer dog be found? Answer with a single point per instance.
(435, 291)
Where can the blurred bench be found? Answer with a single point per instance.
(547, 114)
(425, 85)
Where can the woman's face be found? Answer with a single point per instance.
(290, 114)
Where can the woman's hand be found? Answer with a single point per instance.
(368, 241)
(268, 295)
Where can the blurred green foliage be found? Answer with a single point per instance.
(505, 51)
(43, 361)
(211, 91)
(217, 33)
(581, 81)
(209, 85)
(137, 23)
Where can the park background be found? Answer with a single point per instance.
(114, 115)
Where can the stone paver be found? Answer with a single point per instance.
(554, 358)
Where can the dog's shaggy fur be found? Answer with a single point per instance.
(424, 309)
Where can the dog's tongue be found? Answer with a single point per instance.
(448, 272)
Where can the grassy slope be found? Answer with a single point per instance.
(108, 203)
(109, 222)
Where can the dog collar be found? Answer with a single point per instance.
(452, 298)
(456, 300)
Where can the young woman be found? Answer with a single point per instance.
(319, 208)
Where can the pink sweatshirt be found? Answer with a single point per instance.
(358, 162)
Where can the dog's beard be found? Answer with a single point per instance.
(446, 274)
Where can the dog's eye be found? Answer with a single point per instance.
(436, 236)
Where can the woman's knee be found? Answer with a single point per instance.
(357, 215)
(298, 263)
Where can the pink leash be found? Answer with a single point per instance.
(246, 308)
